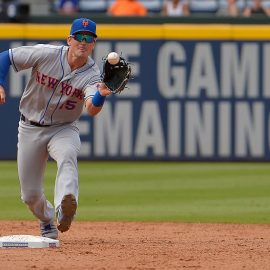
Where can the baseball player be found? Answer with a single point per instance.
(63, 80)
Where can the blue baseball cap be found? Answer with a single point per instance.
(83, 25)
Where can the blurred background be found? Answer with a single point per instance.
(199, 91)
(200, 86)
(23, 8)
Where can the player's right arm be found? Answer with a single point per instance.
(4, 68)
(94, 105)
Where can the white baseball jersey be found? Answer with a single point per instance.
(54, 93)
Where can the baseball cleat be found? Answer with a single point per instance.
(48, 230)
(66, 212)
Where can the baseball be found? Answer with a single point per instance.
(113, 58)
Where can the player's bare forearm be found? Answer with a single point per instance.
(93, 109)
(2, 95)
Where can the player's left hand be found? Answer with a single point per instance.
(104, 90)
(2, 95)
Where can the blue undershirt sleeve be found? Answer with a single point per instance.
(4, 66)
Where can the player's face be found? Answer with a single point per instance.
(81, 44)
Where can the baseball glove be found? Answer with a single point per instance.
(116, 77)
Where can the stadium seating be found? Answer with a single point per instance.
(203, 6)
(153, 6)
(241, 4)
(99, 6)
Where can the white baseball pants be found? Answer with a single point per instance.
(35, 145)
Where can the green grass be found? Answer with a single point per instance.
(156, 191)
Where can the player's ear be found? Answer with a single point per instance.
(68, 40)
(94, 44)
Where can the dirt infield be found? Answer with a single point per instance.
(132, 245)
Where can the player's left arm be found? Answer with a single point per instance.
(4, 68)
(94, 105)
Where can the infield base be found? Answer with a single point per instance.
(27, 241)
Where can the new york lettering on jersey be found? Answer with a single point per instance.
(52, 83)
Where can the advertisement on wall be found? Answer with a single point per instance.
(188, 99)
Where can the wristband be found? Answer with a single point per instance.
(98, 100)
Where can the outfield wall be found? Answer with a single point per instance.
(199, 92)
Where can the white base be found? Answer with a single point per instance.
(27, 241)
